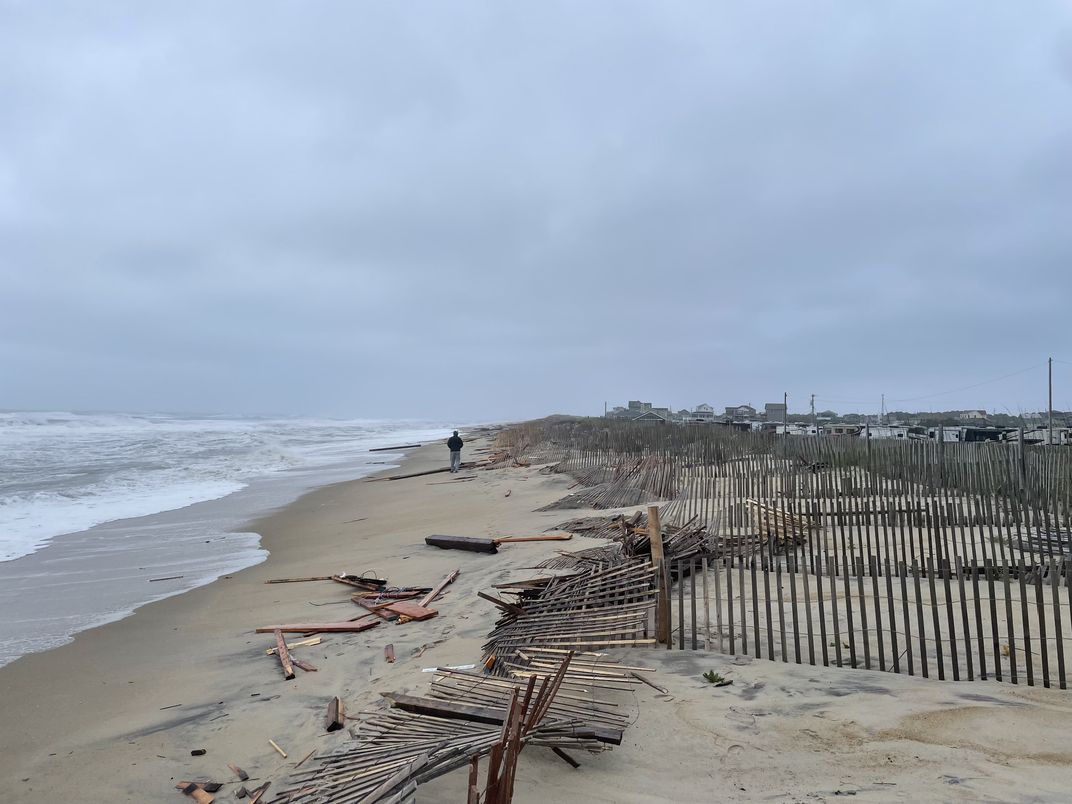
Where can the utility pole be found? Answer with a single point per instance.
(814, 421)
(785, 413)
(1050, 441)
(885, 418)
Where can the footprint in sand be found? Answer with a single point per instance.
(741, 718)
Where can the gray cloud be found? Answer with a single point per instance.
(490, 211)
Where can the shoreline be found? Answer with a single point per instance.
(133, 697)
(113, 715)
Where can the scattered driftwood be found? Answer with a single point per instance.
(389, 653)
(392, 449)
(275, 745)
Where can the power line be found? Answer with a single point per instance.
(938, 393)
(969, 387)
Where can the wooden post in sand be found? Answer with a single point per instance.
(662, 602)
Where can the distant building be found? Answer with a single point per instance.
(740, 412)
(653, 416)
(972, 415)
(774, 411)
(640, 411)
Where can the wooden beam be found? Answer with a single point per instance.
(470, 543)
(335, 718)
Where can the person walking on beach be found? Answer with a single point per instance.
(454, 444)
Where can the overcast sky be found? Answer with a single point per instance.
(495, 210)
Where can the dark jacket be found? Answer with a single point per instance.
(454, 443)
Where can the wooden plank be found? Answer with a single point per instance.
(352, 626)
(1041, 609)
(412, 610)
(437, 590)
(335, 719)
(304, 665)
(1025, 617)
(389, 653)
(284, 655)
(935, 621)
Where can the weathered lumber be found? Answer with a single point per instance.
(470, 543)
(450, 710)
(284, 655)
(256, 795)
(389, 653)
(335, 718)
(352, 626)
(437, 590)
(391, 449)
(304, 665)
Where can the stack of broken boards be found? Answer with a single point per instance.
(604, 600)
(467, 716)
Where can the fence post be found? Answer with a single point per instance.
(662, 601)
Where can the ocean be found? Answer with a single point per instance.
(95, 507)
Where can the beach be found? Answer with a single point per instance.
(114, 715)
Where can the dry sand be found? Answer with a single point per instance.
(88, 722)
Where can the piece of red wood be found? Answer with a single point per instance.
(284, 655)
(411, 610)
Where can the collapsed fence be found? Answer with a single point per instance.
(942, 560)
